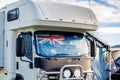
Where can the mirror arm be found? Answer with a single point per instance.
(30, 63)
(104, 45)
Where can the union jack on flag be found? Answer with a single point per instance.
(51, 39)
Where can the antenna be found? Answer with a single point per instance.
(89, 3)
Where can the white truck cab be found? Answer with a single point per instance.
(46, 41)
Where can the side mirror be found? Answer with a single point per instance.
(20, 47)
(93, 48)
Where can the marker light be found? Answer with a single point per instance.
(67, 73)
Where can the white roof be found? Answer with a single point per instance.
(115, 49)
(58, 15)
(67, 12)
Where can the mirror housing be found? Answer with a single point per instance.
(20, 47)
(93, 48)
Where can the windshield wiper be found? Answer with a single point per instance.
(61, 54)
(83, 55)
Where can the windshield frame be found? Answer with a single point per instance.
(35, 43)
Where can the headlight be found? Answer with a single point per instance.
(77, 73)
(67, 73)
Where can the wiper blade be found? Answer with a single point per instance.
(61, 54)
(83, 55)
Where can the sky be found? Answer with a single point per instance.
(107, 13)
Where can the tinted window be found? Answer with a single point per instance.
(13, 14)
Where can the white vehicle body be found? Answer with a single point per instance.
(115, 52)
(29, 16)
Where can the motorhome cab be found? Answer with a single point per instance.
(46, 41)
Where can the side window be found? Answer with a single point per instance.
(13, 14)
(28, 44)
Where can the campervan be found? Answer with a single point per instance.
(42, 40)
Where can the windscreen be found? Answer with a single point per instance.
(117, 62)
(59, 44)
